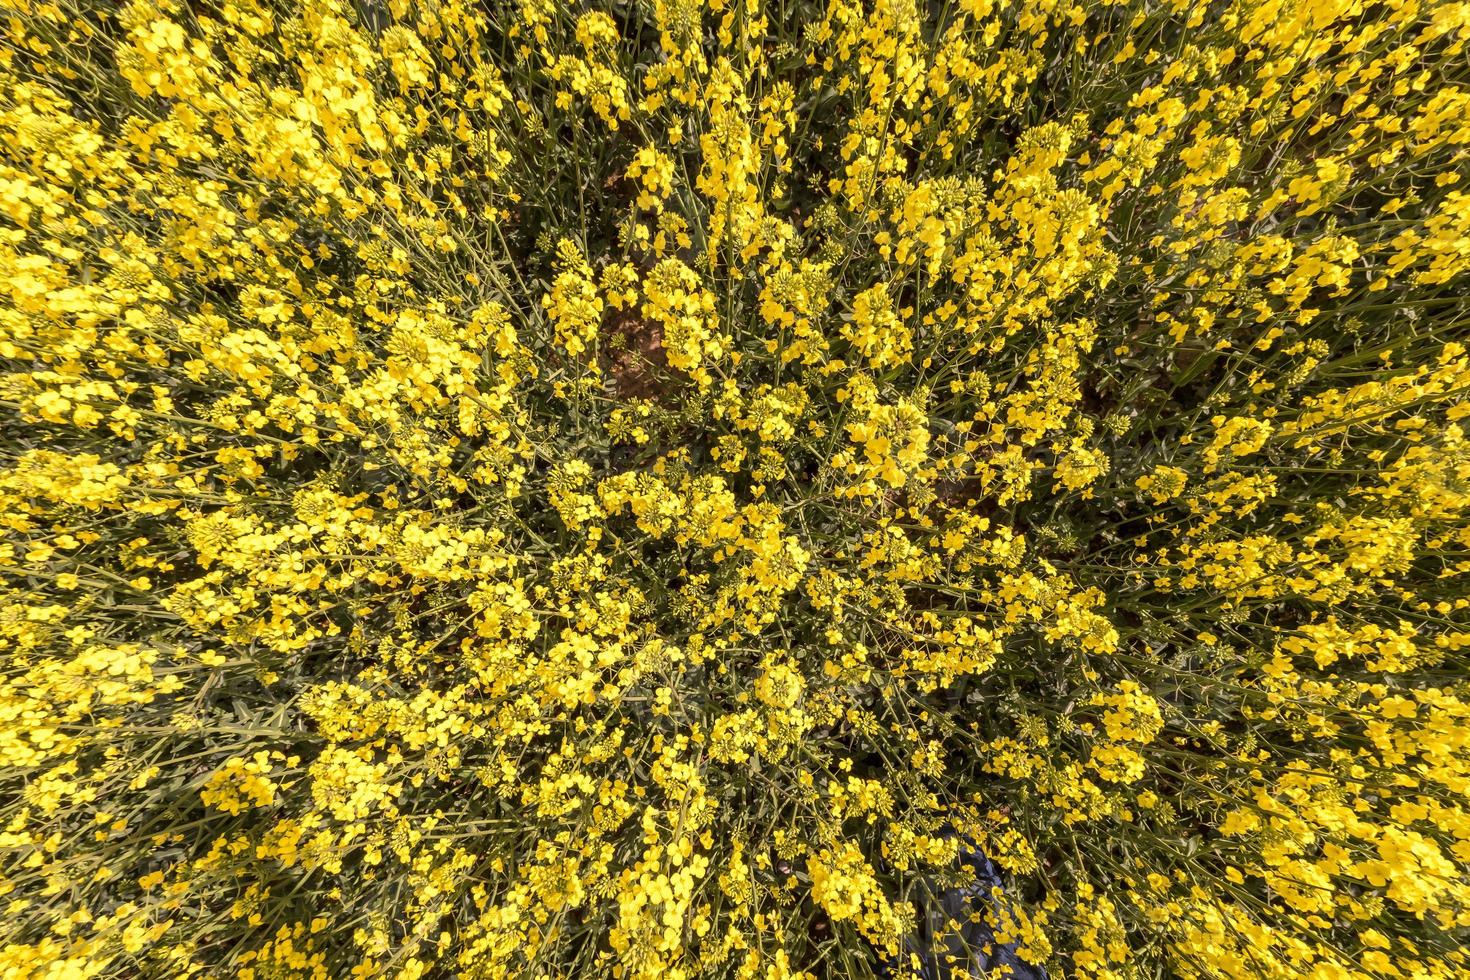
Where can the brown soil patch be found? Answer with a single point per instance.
(633, 356)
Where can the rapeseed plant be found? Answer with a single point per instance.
(668, 489)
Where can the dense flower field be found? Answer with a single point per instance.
(646, 489)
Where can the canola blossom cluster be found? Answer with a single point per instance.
(652, 489)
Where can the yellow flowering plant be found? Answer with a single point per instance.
(660, 489)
